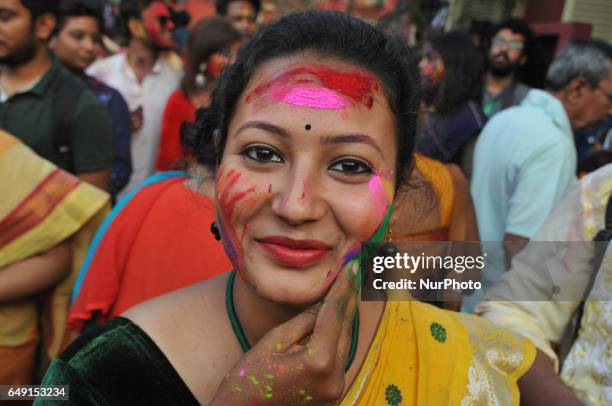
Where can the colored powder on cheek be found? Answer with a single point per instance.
(230, 204)
(314, 97)
(228, 244)
(228, 197)
(225, 185)
(382, 193)
(252, 200)
(351, 254)
(241, 373)
(381, 231)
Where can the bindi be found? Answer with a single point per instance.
(307, 127)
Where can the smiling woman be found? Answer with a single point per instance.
(310, 134)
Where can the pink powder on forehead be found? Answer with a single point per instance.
(334, 89)
(313, 97)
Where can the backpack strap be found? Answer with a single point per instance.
(66, 98)
(507, 99)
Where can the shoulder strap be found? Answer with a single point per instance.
(507, 99)
(66, 98)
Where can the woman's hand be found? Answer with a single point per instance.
(301, 361)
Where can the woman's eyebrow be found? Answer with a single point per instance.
(351, 138)
(265, 126)
(326, 140)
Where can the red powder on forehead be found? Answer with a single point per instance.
(355, 86)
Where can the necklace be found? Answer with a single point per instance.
(244, 343)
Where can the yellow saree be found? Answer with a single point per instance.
(422, 355)
(40, 206)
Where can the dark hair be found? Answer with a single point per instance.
(463, 71)
(128, 10)
(518, 26)
(221, 6)
(79, 8)
(209, 36)
(40, 7)
(325, 34)
(594, 161)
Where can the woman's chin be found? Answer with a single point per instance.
(300, 291)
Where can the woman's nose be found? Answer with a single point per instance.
(299, 200)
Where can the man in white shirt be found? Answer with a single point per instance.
(144, 79)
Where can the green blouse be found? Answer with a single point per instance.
(117, 364)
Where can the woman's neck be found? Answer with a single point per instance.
(258, 316)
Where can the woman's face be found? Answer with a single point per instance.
(431, 67)
(307, 174)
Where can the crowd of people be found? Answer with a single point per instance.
(183, 201)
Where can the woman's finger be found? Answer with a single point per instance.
(344, 342)
(338, 309)
(282, 337)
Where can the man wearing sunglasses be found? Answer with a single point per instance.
(144, 78)
(508, 53)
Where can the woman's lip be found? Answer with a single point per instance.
(293, 257)
(295, 244)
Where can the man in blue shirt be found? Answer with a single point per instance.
(525, 158)
(76, 43)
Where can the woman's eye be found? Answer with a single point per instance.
(262, 154)
(77, 35)
(351, 167)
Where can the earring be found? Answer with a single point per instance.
(215, 230)
(200, 78)
(388, 249)
(389, 236)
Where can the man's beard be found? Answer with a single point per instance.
(23, 53)
(502, 70)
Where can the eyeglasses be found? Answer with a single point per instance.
(512, 44)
